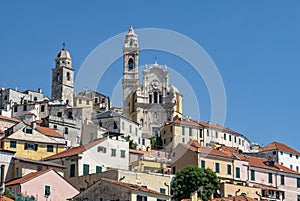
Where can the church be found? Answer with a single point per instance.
(153, 102)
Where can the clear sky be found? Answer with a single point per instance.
(254, 44)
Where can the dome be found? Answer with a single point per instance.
(64, 54)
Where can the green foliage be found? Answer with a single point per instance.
(132, 144)
(9, 193)
(191, 178)
(156, 142)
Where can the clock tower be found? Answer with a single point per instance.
(130, 79)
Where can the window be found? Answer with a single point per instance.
(17, 172)
(281, 152)
(68, 76)
(171, 139)
(70, 115)
(16, 109)
(165, 141)
(130, 128)
(239, 141)
(243, 142)
(282, 179)
(207, 133)
(101, 149)
(49, 148)
(291, 167)
(141, 198)
(200, 133)
(217, 167)
(252, 175)
(298, 197)
(130, 63)
(229, 169)
(298, 182)
(183, 140)
(160, 98)
(224, 136)
(297, 168)
(274, 152)
(13, 144)
(42, 108)
(143, 141)
(238, 172)
(115, 125)
(102, 100)
(72, 170)
(296, 156)
(216, 134)
(291, 155)
(190, 131)
(86, 169)
(28, 130)
(155, 96)
(270, 178)
(30, 146)
(150, 98)
(80, 101)
(182, 130)
(122, 153)
(171, 128)
(54, 126)
(87, 102)
(229, 138)
(39, 168)
(113, 152)
(162, 190)
(24, 107)
(47, 190)
(66, 130)
(98, 169)
(202, 164)
(59, 114)
(234, 139)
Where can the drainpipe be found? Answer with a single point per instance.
(168, 187)
(260, 197)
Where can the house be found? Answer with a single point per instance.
(94, 157)
(43, 185)
(32, 141)
(183, 130)
(282, 154)
(7, 122)
(234, 198)
(108, 189)
(118, 123)
(99, 101)
(6, 165)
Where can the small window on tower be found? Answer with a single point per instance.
(130, 64)
(58, 77)
(68, 76)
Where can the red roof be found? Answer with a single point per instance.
(133, 186)
(48, 131)
(4, 198)
(26, 177)
(75, 150)
(264, 163)
(191, 123)
(10, 119)
(1, 131)
(280, 147)
(134, 151)
(234, 198)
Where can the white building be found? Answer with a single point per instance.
(93, 157)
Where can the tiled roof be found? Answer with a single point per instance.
(133, 187)
(234, 198)
(264, 163)
(10, 119)
(280, 147)
(4, 198)
(75, 150)
(134, 151)
(26, 177)
(191, 123)
(47, 163)
(1, 131)
(48, 131)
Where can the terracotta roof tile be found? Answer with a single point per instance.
(134, 151)
(264, 163)
(133, 187)
(10, 119)
(26, 177)
(1, 131)
(234, 198)
(48, 131)
(279, 146)
(191, 123)
(75, 150)
(4, 198)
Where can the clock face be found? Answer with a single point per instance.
(155, 84)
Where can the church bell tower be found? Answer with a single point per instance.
(130, 79)
(63, 78)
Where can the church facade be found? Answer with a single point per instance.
(153, 102)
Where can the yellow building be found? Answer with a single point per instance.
(33, 141)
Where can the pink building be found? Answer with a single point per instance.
(43, 185)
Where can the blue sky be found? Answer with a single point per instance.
(254, 44)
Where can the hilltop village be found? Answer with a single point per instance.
(79, 147)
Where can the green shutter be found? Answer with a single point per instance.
(47, 190)
(228, 169)
(252, 175)
(98, 169)
(202, 164)
(237, 172)
(86, 169)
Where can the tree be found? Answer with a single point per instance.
(191, 179)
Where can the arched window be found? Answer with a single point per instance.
(58, 77)
(68, 76)
(130, 64)
(155, 95)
